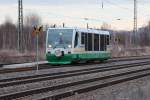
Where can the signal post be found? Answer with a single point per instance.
(36, 32)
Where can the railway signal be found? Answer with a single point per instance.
(36, 32)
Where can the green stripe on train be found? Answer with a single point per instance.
(68, 58)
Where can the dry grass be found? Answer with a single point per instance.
(121, 51)
(13, 56)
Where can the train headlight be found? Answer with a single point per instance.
(69, 46)
(58, 53)
(49, 46)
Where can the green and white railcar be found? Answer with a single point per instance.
(67, 45)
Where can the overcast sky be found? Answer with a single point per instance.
(73, 12)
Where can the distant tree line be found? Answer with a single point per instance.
(8, 36)
(9, 33)
(142, 37)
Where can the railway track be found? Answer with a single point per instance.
(81, 86)
(43, 77)
(66, 90)
(48, 66)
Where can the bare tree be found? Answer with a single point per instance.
(8, 34)
(105, 26)
(32, 20)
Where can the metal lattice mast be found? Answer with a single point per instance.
(135, 22)
(20, 25)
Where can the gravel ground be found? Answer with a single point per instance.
(23, 65)
(60, 81)
(34, 72)
(54, 70)
(138, 89)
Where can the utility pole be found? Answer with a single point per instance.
(102, 4)
(20, 26)
(135, 23)
(87, 24)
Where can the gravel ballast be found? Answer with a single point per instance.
(138, 89)
(66, 80)
(56, 70)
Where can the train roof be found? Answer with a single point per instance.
(86, 30)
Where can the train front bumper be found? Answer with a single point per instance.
(65, 59)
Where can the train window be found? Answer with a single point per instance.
(86, 42)
(90, 42)
(76, 39)
(96, 42)
(105, 42)
(82, 38)
(102, 43)
(108, 40)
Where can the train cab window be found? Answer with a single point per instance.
(90, 42)
(83, 38)
(96, 42)
(102, 42)
(76, 39)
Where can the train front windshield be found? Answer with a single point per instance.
(60, 38)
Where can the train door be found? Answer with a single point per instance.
(102, 42)
(87, 41)
(76, 41)
(96, 42)
(90, 42)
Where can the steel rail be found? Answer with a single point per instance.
(44, 77)
(48, 66)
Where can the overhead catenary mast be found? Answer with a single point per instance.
(20, 26)
(102, 4)
(135, 23)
